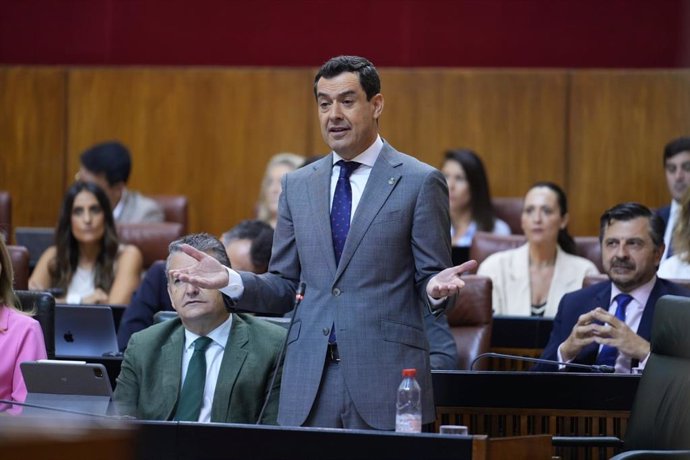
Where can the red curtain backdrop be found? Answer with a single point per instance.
(405, 33)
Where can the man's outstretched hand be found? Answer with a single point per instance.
(206, 273)
(448, 282)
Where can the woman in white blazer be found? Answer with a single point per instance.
(530, 280)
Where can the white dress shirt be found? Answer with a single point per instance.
(214, 358)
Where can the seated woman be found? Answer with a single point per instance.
(530, 280)
(678, 265)
(470, 201)
(279, 165)
(88, 263)
(21, 338)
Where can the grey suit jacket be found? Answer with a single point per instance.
(149, 383)
(138, 208)
(398, 240)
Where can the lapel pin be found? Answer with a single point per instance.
(391, 181)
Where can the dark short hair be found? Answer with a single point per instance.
(629, 211)
(365, 70)
(109, 158)
(261, 236)
(676, 146)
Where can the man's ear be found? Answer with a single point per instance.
(377, 103)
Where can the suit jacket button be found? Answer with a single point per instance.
(336, 292)
(325, 331)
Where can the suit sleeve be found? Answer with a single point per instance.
(126, 396)
(431, 233)
(442, 350)
(270, 416)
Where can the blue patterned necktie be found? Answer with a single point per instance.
(342, 207)
(608, 354)
(192, 393)
(340, 215)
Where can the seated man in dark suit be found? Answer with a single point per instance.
(207, 365)
(610, 323)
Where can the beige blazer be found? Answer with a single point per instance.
(509, 272)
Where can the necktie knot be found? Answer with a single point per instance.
(622, 301)
(202, 343)
(347, 168)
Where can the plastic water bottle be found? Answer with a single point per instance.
(408, 417)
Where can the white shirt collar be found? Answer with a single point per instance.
(368, 157)
(640, 294)
(219, 335)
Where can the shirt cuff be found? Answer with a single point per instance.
(640, 365)
(235, 287)
(559, 358)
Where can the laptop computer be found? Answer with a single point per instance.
(85, 331)
(67, 386)
(36, 240)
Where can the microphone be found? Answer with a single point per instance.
(600, 368)
(299, 296)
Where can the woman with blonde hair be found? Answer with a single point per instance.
(678, 265)
(279, 165)
(21, 337)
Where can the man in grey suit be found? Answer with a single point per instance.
(108, 165)
(368, 275)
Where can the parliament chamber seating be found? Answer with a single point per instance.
(470, 320)
(6, 214)
(42, 306)
(660, 415)
(509, 209)
(19, 256)
(151, 238)
(175, 208)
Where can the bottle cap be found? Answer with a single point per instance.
(409, 372)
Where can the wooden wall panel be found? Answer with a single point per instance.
(204, 133)
(514, 120)
(208, 133)
(32, 126)
(619, 124)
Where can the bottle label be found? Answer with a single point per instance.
(408, 423)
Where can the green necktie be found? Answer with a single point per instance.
(189, 404)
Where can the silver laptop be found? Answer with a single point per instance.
(67, 387)
(36, 240)
(85, 331)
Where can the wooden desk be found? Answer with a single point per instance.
(527, 403)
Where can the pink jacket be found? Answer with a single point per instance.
(21, 339)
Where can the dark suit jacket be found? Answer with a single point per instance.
(149, 383)
(151, 297)
(665, 214)
(576, 303)
(398, 240)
